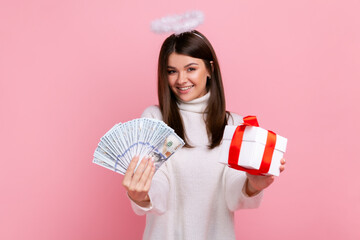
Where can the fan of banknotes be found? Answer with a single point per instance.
(141, 137)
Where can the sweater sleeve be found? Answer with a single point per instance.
(159, 188)
(235, 194)
(235, 180)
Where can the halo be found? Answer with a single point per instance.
(178, 23)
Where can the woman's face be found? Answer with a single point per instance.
(187, 76)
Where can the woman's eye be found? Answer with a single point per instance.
(191, 69)
(171, 71)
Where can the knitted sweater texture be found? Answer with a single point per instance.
(192, 195)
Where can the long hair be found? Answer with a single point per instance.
(196, 45)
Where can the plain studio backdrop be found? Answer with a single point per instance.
(70, 70)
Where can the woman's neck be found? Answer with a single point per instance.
(197, 105)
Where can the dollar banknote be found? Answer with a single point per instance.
(139, 137)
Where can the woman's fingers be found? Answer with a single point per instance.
(131, 178)
(260, 182)
(138, 183)
(132, 166)
(130, 171)
(140, 170)
(147, 172)
(149, 179)
(282, 167)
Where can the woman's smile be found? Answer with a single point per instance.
(184, 90)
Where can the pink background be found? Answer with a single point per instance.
(70, 70)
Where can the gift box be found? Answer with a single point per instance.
(253, 149)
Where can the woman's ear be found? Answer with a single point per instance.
(212, 66)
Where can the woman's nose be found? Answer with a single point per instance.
(182, 78)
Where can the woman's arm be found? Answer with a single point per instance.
(153, 199)
(256, 184)
(137, 183)
(236, 191)
(147, 191)
(243, 190)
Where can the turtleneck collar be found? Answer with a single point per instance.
(197, 105)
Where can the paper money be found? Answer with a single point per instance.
(139, 137)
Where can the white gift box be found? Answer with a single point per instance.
(252, 148)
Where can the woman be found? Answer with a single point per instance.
(191, 196)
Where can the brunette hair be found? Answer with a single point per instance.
(196, 45)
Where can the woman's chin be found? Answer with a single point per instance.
(184, 98)
(187, 98)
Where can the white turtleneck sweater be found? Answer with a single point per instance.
(192, 195)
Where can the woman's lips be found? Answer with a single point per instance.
(184, 90)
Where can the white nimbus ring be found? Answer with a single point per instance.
(178, 23)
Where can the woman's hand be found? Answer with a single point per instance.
(255, 183)
(138, 183)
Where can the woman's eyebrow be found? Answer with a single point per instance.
(184, 66)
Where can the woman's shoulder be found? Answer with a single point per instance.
(152, 112)
(234, 119)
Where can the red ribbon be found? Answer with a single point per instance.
(235, 147)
